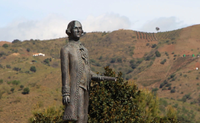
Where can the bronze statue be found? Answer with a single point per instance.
(76, 75)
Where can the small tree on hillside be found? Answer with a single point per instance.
(33, 69)
(157, 53)
(5, 45)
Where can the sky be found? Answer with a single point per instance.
(48, 19)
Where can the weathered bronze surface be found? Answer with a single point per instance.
(76, 75)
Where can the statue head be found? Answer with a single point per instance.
(74, 30)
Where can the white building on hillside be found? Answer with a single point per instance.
(38, 54)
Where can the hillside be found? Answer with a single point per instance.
(153, 60)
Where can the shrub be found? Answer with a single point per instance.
(1, 66)
(147, 58)
(12, 89)
(168, 85)
(139, 60)
(26, 91)
(113, 60)
(2, 53)
(157, 53)
(97, 64)
(8, 66)
(5, 45)
(21, 86)
(16, 41)
(100, 57)
(173, 75)
(119, 60)
(1, 81)
(33, 68)
(153, 46)
(46, 61)
(15, 82)
(166, 54)
(147, 44)
(161, 85)
(17, 69)
(163, 62)
(28, 49)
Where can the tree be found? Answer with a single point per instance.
(157, 53)
(12, 89)
(26, 91)
(16, 41)
(33, 69)
(28, 49)
(5, 45)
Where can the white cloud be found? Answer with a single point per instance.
(106, 22)
(164, 23)
(48, 28)
(54, 27)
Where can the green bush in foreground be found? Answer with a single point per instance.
(112, 102)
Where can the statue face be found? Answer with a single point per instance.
(77, 30)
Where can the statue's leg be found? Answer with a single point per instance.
(83, 102)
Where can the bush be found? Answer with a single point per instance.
(16, 41)
(2, 53)
(1, 66)
(33, 69)
(8, 66)
(153, 46)
(12, 89)
(147, 58)
(113, 60)
(28, 50)
(5, 45)
(119, 60)
(157, 53)
(21, 86)
(166, 54)
(1, 81)
(15, 82)
(161, 85)
(26, 91)
(17, 69)
(173, 75)
(163, 62)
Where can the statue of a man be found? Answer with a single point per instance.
(76, 75)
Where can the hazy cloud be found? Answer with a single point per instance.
(48, 28)
(106, 22)
(54, 27)
(164, 23)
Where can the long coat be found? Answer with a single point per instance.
(75, 73)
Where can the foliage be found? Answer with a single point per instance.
(1, 81)
(2, 53)
(157, 53)
(153, 46)
(163, 62)
(115, 102)
(26, 90)
(48, 115)
(47, 61)
(33, 68)
(21, 86)
(8, 66)
(113, 60)
(5, 45)
(15, 82)
(17, 69)
(16, 41)
(28, 50)
(12, 89)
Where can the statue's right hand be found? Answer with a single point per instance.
(66, 100)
